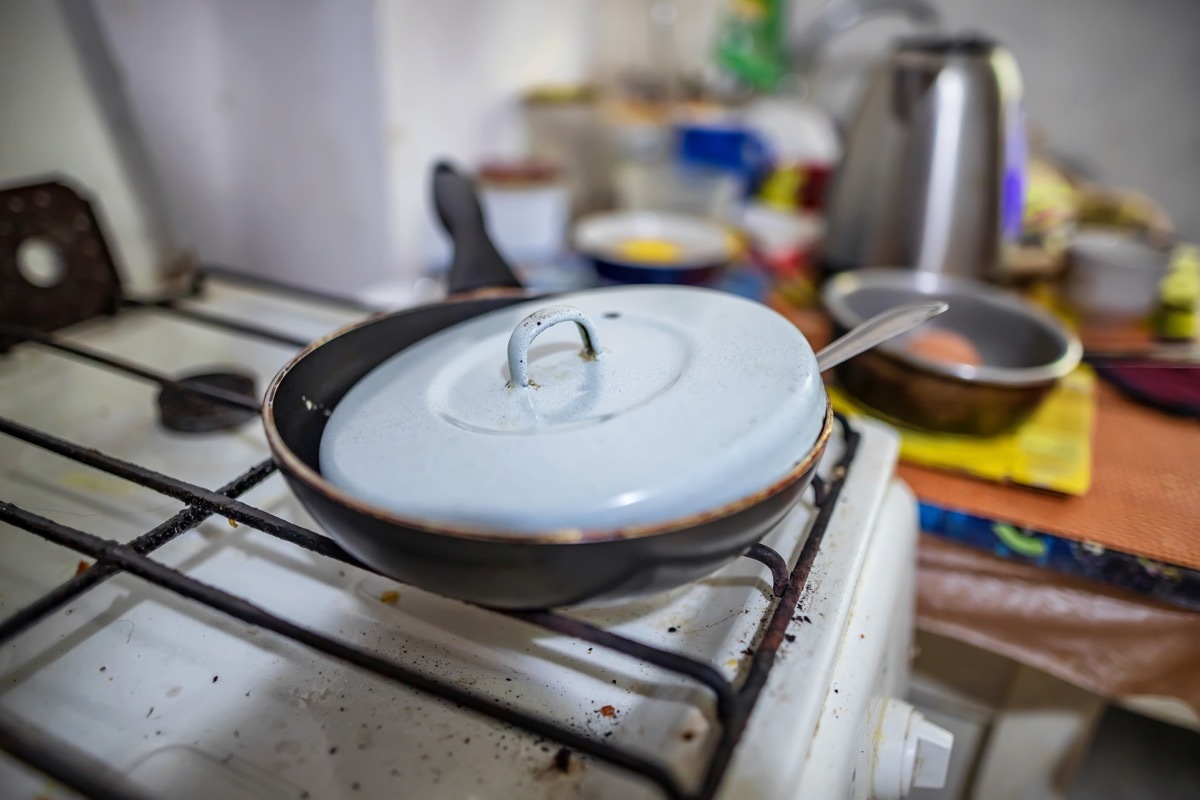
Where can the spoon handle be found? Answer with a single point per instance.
(877, 330)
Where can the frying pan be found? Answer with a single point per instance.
(490, 566)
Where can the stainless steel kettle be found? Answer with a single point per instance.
(932, 177)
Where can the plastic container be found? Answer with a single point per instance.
(1112, 276)
(527, 207)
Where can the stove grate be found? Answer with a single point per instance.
(72, 767)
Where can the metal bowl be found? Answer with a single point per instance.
(1023, 350)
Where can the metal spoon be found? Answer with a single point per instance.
(877, 330)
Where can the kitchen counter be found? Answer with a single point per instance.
(1135, 529)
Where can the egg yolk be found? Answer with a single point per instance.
(650, 251)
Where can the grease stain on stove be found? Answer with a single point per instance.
(96, 482)
(289, 747)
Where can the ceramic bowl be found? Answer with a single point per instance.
(655, 247)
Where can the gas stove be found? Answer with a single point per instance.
(174, 624)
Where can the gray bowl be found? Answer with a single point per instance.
(1024, 351)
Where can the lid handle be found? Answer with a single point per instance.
(533, 325)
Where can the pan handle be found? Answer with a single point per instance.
(477, 264)
(532, 326)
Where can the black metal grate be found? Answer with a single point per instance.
(71, 767)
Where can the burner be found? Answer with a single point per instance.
(192, 413)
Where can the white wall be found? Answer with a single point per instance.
(453, 74)
(61, 115)
(263, 120)
(293, 138)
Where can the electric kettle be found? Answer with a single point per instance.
(933, 173)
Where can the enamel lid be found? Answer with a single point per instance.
(626, 406)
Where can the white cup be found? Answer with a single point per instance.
(1113, 276)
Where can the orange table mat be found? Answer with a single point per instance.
(1144, 498)
(1145, 493)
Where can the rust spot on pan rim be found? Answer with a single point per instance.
(292, 464)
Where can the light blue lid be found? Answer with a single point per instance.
(695, 399)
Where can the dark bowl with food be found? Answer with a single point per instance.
(982, 368)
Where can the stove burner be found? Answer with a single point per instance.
(192, 413)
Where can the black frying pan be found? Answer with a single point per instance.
(493, 568)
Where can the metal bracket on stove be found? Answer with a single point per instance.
(55, 267)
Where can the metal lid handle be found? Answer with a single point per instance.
(533, 325)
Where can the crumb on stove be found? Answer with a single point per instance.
(791, 637)
(562, 760)
(672, 629)
(82, 567)
(390, 597)
(215, 678)
(233, 523)
(103, 668)
(356, 786)
(689, 735)
(607, 711)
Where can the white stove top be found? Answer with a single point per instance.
(184, 702)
